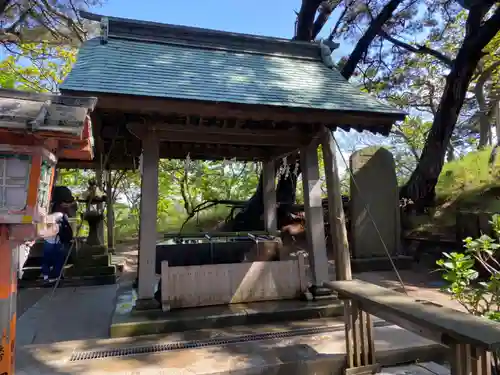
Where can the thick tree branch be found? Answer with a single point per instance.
(305, 20)
(325, 11)
(3, 6)
(370, 34)
(334, 30)
(488, 30)
(417, 49)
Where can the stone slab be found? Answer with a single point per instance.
(91, 271)
(72, 282)
(312, 354)
(26, 298)
(127, 321)
(374, 200)
(426, 368)
(50, 320)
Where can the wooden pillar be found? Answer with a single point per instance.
(110, 210)
(466, 360)
(360, 343)
(8, 300)
(315, 227)
(149, 201)
(269, 180)
(338, 230)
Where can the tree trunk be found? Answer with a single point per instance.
(420, 188)
(305, 20)
(250, 218)
(484, 121)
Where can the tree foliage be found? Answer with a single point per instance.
(39, 38)
(461, 271)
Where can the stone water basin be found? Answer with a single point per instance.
(200, 250)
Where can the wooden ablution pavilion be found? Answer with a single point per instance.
(167, 91)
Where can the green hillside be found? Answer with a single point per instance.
(468, 183)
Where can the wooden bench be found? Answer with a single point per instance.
(471, 339)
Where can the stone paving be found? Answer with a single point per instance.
(319, 353)
(26, 298)
(71, 314)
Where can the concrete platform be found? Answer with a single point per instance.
(234, 350)
(127, 321)
(373, 264)
(68, 314)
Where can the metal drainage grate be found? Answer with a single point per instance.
(179, 345)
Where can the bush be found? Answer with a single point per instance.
(461, 272)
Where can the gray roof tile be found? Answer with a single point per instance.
(124, 66)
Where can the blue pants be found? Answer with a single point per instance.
(53, 259)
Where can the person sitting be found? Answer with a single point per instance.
(55, 248)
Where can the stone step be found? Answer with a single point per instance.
(90, 270)
(36, 261)
(35, 272)
(69, 282)
(70, 270)
(288, 348)
(127, 321)
(94, 260)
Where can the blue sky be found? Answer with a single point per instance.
(271, 17)
(261, 17)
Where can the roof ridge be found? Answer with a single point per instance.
(160, 32)
(181, 44)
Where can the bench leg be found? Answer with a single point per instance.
(360, 345)
(467, 360)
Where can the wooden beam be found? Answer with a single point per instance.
(234, 137)
(92, 164)
(372, 121)
(173, 150)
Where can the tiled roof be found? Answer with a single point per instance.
(276, 75)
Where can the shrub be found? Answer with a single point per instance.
(460, 271)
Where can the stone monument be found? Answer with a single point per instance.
(374, 188)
